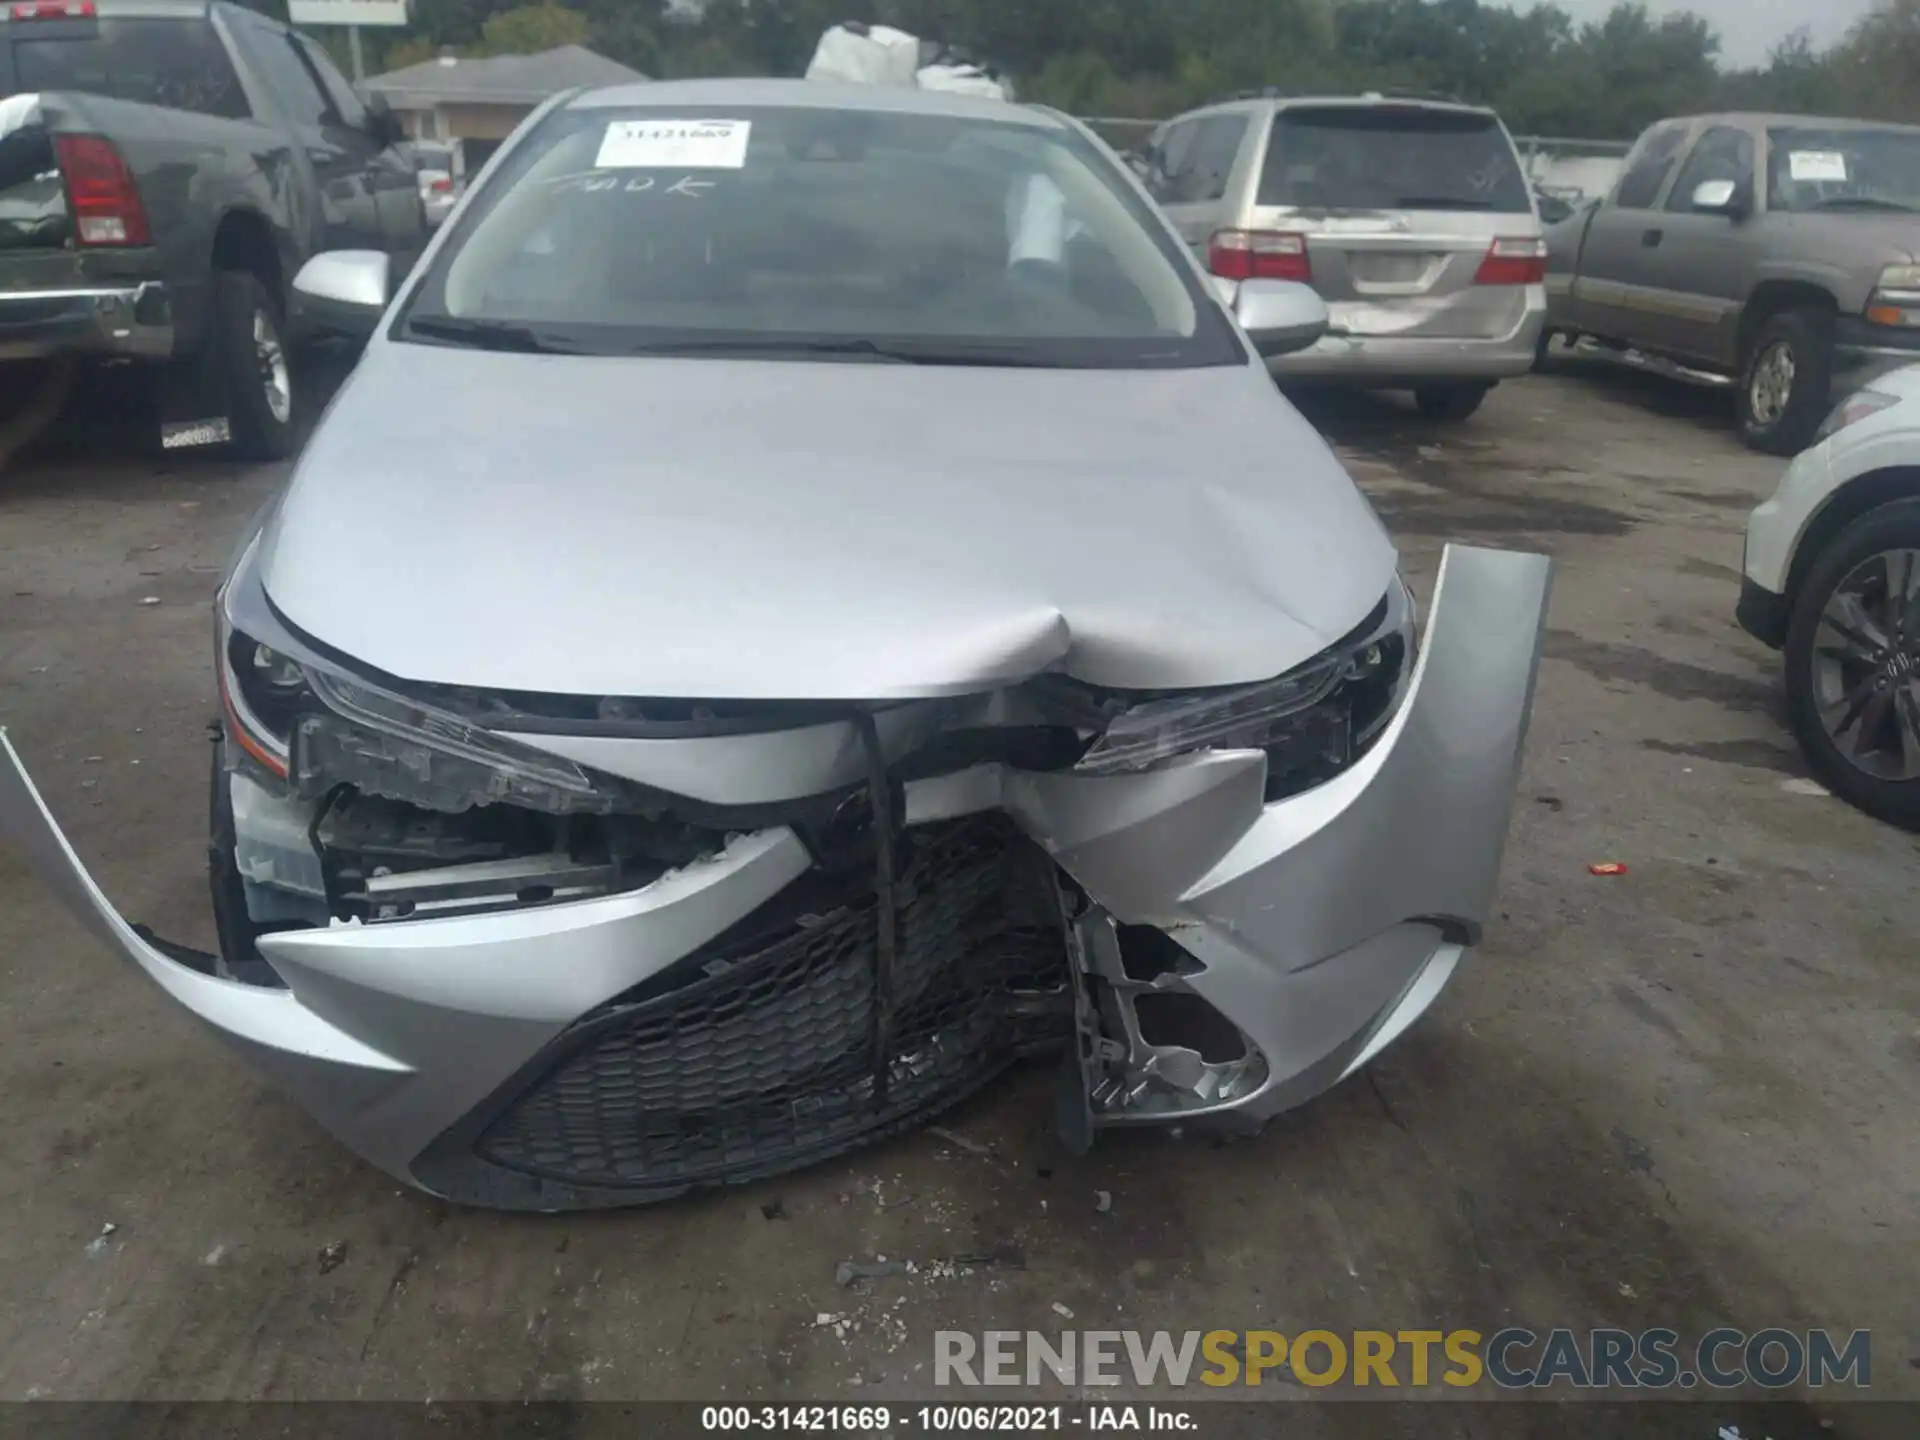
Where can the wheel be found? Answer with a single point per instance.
(252, 359)
(1449, 402)
(1853, 664)
(1786, 383)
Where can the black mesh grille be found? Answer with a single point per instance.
(758, 1056)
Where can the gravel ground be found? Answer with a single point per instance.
(1671, 1098)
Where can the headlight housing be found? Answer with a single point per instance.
(1852, 410)
(1896, 299)
(1312, 721)
(302, 724)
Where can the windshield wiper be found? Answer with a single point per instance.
(1440, 202)
(889, 352)
(489, 335)
(1861, 202)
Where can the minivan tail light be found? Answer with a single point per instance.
(106, 202)
(1259, 255)
(1514, 262)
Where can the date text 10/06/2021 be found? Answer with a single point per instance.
(947, 1419)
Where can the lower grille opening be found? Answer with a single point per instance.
(755, 1055)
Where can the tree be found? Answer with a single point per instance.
(411, 50)
(531, 29)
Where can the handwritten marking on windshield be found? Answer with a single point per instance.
(600, 182)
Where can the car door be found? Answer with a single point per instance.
(1708, 259)
(1195, 195)
(1611, 291)
(340, 156)
(390, 175)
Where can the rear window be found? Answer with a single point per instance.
(178, 63)
(1381, 157)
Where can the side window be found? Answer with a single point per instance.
(295, 92)
(1723, 153)
(1647, 171)
(346, 105)
(1209, 160)
(1169, 155)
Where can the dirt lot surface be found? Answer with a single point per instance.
(1682, 1097)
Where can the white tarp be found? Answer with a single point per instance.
(881, 55)
(961, 80)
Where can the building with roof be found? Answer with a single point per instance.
(477, 102)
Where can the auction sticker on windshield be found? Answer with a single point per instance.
(674, 145)
(1817, 165)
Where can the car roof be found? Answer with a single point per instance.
(1801, 122)
(1350, 100)
(815, 95)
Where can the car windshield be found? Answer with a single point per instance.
(1839, 169)
(806, 231)
(1391, 157)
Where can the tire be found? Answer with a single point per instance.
(1769, 424)
(1449, 402)
(260, 402)
(1886, 783)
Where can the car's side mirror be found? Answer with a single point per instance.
(1719, 197)
(1280, 317)
(345, 291)
(382, 124)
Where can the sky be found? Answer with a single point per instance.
(1748, 28)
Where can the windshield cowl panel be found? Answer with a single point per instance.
(817, 235)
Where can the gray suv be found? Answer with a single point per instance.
(1409, 215)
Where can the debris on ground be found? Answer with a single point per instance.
(1062, 1311)
(953, 1137)
(333, 1256)
(1010, 1256)
(1610, 867)
(774, 1210)
(1102, 1201)
(1552, 802)
(97, 1246)
(1806, 787)
(847, 1272)
(149, 599)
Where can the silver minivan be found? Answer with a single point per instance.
(1411, 216)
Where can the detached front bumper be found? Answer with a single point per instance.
(500, 1059)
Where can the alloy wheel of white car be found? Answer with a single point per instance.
(1853, 663)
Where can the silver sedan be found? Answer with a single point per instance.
(863, 618)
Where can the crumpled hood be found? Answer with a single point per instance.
(798, 530)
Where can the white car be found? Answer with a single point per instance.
(1832, 579)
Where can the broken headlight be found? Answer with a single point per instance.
(304, 723)
(385, 744)
(1311, 721)
(261, 694)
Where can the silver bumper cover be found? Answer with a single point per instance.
(1321, 925)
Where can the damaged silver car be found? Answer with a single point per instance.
(862, 617)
